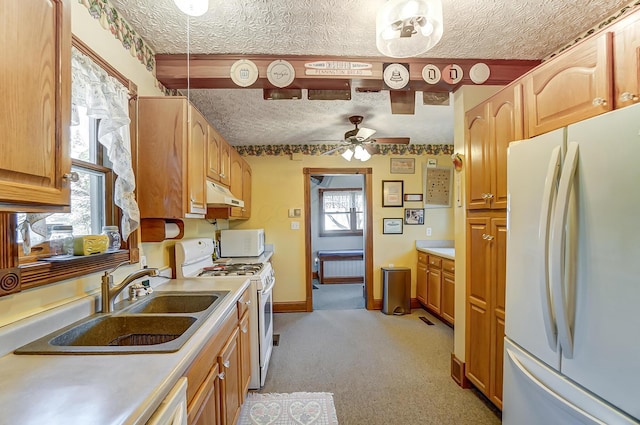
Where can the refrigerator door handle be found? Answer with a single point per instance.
(559, 298)
(548, 195)
(585, 418)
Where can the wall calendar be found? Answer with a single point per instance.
(437, 186)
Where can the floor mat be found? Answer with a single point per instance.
(288, 409)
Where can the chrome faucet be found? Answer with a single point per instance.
(110, 292)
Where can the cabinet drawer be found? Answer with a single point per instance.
(435, 262)
(243, 302)
(423, 257)
(448, 265)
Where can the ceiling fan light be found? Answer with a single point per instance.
(365, 156)
(193, 7)
(348, 154)
(406, 28)
(359, 152)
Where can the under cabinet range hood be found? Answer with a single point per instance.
(220, 196)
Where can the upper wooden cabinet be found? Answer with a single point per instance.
(626, 61)
(36, 105)
(571, 87)
(172, 138)
(225, 162)
(491, 126)
(213, 154)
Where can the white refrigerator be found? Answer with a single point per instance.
(572, 344)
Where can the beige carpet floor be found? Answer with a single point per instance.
(381, 369)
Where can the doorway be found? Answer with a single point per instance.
(342, 245)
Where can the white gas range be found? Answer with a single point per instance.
(194, 260)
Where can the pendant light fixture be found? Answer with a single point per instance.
(193, 7)
(406, 28)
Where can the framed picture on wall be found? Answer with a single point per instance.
(414, 216)
(403, 166)
(392, 192)
(392, 226)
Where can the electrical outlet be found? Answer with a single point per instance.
(143, 261)
(295, 225)
(428, 231)
(390, 264)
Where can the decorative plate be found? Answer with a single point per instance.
(280, 73)
(244, 73)
(396, 76)
(479, 73)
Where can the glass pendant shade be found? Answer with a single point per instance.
(348, 154)
(364, 156)
(193, 7)
(406, 28)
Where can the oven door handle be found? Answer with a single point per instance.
(269, 287)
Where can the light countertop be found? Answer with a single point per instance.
(105, 389)
(449, 253)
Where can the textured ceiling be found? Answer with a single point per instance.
(485, 29)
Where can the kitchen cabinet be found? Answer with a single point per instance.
(35, 159)
(245, 343)
(626, 61)
(225, 162)
(172, 140)
(213, 154)
(240, 178)
(491, 126)
(571, 87)
(230, 380)
(421, 277)
(448, 290)
(486, 269)
(435, 285)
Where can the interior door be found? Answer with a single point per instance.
(605, 324)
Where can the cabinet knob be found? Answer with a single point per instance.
(221, 376)
(72, 176)
(599, 101)
(226, 364)
(626, 97)
(222, 175)
(248, 302)
(244, 330)
(487, 237)
(487, 196)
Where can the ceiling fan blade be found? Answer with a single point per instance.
(364, 133)
(392, 140)
(330, 151)
(372, 149)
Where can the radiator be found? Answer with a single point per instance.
(352, 270)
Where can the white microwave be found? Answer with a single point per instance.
(241, 243)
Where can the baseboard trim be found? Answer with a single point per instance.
(377, 304)
(342, 279)
(457, 372)
(290, 307)
(415, 304)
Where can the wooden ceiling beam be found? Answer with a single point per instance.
(214, 71)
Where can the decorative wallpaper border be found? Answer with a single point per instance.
(621, 13)
(383, 149)
(110, 19)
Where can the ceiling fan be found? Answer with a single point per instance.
(358, 142)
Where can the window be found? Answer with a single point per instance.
(91, 195)
(341, 212)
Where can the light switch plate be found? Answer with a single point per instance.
(295, 212)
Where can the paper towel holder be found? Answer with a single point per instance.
(154, 229)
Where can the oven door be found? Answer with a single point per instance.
(265, 324)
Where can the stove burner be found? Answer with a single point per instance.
(240, 269)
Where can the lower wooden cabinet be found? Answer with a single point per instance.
(245, 353)
(435, 285)
(218, 379)
(486, 282)
(230, 386)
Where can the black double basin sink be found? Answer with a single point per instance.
(158, 323)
